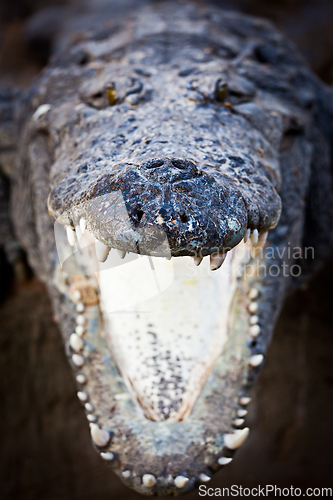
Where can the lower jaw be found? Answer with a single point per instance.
(169, 451)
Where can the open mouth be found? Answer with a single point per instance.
(163, 349)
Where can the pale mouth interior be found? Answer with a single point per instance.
(166, 345)
(166, 321)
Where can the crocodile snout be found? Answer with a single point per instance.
(198, 214)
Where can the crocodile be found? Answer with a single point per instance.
(171, 181)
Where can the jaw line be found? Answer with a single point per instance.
(110, 404)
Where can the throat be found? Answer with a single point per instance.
(166, 324)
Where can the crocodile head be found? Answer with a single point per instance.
(184, 164)
(151, 164)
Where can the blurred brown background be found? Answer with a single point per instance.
(45, 449)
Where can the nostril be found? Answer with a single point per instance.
(183, 217)
(178, 164)
(155, 163)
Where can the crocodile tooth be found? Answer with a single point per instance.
(80, 307)
(254, 330)
(181, 481)
(83, 396)
(76, 342)
(76, 295)
(79, 330)
(107, 456)
(126, 474)
(262, 239)
(41, 110)
(224, 460)
(253, 293)
(253, 307)
(99, 436)
(244, 401)
(241, 413)
(82, 224)
(78, 232)
(148, 480)
(70, 236)
(254, 319)
(102, 251)
(89, 407)
(80, 319)
(121, 253)
(216, 260)
(247, 235)
(235, 440)
(254, 237)
(81, 379)
(197, 260)
(238, 422)
(256, 360)
(204, 478)
(78, 360)
(92, 418)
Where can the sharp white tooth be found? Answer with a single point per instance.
(79, 330)
(254, 319)
(121, 253)
(148, 480)
(235, 440)
(80, 307)
(197, 260)
(254, 330)
(78, 360)
(89, 407)
(239, 422)
(253, 293)
(107, 456)
(181, 481)
(99, 436)
(126, 474)
(216, 260)
(41, 110)
(256, 360)
(253, 307)
(78, 232)
(92, 418)
(224, 460)
(204, 478)
(70, 236)
(262, 239)
(76, 342)
(82, 225)
(102, 251)
(241, 413)
(83, 396)
(77, 295)
(81, 379)
(255, 237)
(244, 401)
(247, 235)
(80, 319)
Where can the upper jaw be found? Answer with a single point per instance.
(128, 209)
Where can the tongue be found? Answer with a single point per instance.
(166, 323)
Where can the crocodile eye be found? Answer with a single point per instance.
(220, 90)
(111, 94)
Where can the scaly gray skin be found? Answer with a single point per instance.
(140, 107)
